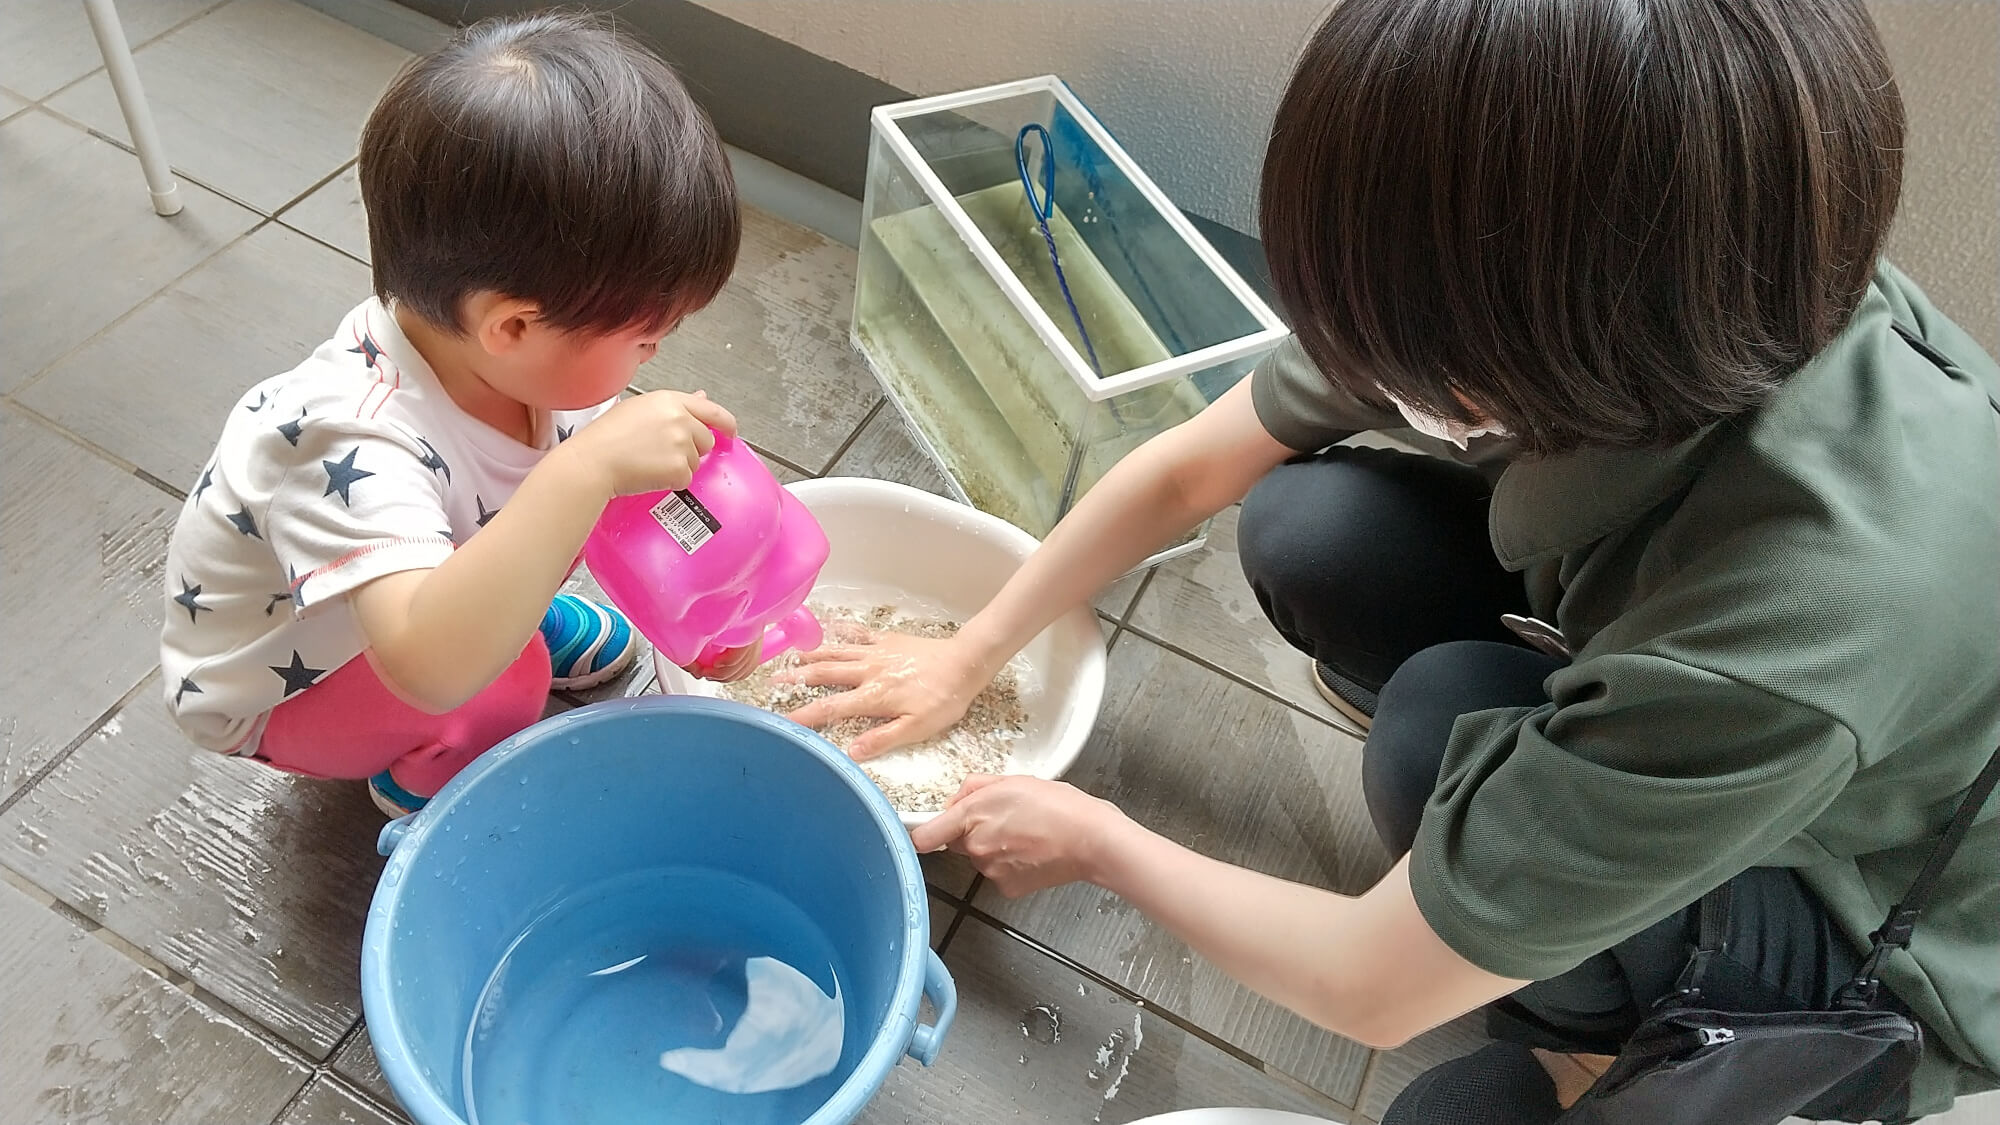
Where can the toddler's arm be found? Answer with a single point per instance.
(440, 636)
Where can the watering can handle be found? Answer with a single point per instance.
(797, 630)
(928, 1039)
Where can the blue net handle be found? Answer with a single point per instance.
(1043, 206)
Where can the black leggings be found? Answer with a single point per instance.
(1378, 564)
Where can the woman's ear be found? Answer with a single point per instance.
(501, 325)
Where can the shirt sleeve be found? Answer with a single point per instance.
(1305, 410)
(355, 502)
(1557, 832)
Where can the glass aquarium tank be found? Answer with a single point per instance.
(1029, 360)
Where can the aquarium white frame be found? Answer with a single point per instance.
(1272, 332)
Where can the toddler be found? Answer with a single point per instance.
(362, 583)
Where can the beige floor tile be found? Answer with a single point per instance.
(82, 243)
(773, 347)
(253, 882)
(156, 388)
(1201, 604)
(333, 214)
(886, 450)
(80, 590)
(357, 1062)
(1036, 1041)
(1221, 769)
(92, 1037)
(260, 99)
(329, 1102)
(10, 104)
(47, 44)
(1394, 1070)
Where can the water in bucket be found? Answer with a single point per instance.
(673, 994)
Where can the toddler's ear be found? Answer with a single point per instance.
(502, 325)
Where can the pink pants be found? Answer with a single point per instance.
(350, 725)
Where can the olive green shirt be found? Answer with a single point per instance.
(1787, 639)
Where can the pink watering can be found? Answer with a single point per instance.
(713, 566)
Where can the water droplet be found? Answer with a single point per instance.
(1042, 1023)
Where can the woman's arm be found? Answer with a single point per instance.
(1157, 493)
(1369, 967)
(1147, 500)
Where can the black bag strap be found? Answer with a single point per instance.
(1712, 913)
(1901, 924)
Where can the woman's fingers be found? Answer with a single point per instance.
(842, 674)
(877, 741)
(942, 830)
(836, 708)
(828, 655)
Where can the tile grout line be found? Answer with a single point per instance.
(1361, 1091)
(1131, 607)
(89, 731)
(1184, 1023)
(853, 437)
(1115, 988)
(135, 48)
(1238, 678)
(262, 222)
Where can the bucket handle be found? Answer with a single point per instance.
(928, 1039)
(392, 834)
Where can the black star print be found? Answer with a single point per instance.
(341, 475)
(263, 399)
(189, 600)
(187, 686)
(244, 523)
(484, 515)
(291, 429)
(297, 676)
(280, 596)
(367, 348)
(207, 478)
(433, 462)
(563, 432)
(297, 592)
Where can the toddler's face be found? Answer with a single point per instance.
(564, 371)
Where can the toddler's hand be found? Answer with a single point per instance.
(651, 441)
(731, 666)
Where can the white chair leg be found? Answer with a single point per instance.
(132, 103)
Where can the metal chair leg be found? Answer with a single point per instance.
(132, 103)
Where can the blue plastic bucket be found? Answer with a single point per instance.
(630, 786)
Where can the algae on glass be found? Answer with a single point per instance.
(959, 311)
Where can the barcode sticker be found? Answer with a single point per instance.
(687, 520)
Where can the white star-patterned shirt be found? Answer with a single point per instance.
(350, 466)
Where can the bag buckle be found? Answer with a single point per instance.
(1715, 1036)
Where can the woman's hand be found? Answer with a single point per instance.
(1024, 833)
(919, 686)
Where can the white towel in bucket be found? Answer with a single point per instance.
(789, 1035)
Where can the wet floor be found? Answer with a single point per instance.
(180, 933)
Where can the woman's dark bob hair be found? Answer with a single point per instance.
(1603, 223)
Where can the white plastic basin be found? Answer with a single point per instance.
(888, 539)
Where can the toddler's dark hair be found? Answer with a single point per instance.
(1604, 222)
(550, 158)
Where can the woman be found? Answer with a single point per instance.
(1751, 499)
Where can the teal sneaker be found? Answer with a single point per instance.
(588, 643)
(393, 799)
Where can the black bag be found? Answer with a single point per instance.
(1690, 1065)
